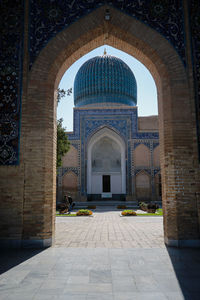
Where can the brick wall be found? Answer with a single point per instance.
(70, 159)
(142, 156)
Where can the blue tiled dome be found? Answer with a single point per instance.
(104, 79)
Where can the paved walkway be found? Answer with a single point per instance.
(87, 268)
(106, 229)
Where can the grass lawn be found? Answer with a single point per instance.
(159, 212)
(65, 215)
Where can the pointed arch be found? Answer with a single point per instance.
(143, 186)
(109, 137)
(175, 106)
(142, 156)
(70, 181)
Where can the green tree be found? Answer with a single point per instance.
(61, 93)
(63, 144)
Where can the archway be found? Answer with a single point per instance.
(39, 110)
(106, 157)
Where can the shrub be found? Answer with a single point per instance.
(143, 206)
(149, 207)
(62, 208)
(84, 212)
(129, 212)
(121, 207)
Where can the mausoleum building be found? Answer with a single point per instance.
(114, 154)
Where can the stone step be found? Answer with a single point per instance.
(109, 203)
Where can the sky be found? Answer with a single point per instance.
(146, 88)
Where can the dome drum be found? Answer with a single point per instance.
(105, 79)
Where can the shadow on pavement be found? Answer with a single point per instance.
(10, 258)
(186, 264)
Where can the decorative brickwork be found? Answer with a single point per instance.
(104, 79)
(47, 18)
(195, 40)
(11, 63)
(124, 122)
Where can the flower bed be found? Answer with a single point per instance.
(84, 212)
(129, 212)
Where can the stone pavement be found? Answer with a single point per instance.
(143, 271)
(108, 230)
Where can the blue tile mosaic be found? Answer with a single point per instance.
(136, 144)
(46, 19)
(68, 169)
(194, 12)
(104, 79)
(142, 169)
(122, 121)
(49, 17)
(155, 145)
(115, 118)
(11, 64)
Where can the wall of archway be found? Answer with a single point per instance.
(35, 183)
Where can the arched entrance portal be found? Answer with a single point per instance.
(106, 170)
(178, 141)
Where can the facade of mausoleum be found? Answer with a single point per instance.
(114, 154)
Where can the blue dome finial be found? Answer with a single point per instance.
(105, 79)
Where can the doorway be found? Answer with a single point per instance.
(106, 183)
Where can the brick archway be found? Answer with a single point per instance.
(176, 122)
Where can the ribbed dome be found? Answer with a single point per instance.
(105, 79)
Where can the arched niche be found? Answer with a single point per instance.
(142, 157)
(106, 157)
(70, 181)
(70, 159)
(143, 186)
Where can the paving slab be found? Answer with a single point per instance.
(106, 271)
(108, 230)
